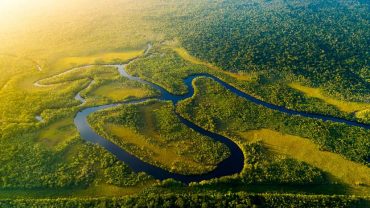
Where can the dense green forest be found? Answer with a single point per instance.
(196, 200)
(321, 44)
(325, 42)
(59, 58)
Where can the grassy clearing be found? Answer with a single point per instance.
(57, 133)
(166, 156)
(344, 106)
(108, 190)
(116, 91)
(10, 67)
(104, 58)
(186, 56)
(346, 171)
(13, 69)
(93, 72)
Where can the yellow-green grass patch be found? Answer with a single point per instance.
(166, 156)
(11, 66)
(93, 72)
(186, 56)
(57, 132)
(107, 190)
(344, 106)
(103, 58)
(302, 149)
(363, 115)
(116, 91)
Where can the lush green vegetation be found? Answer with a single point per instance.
(168, 65)
(154, 133)
(76, 164)
(165, 68)
(308, 55)
(240, 199)
(217, 109)
(305, 150)
(186, 56)
(317, 43)
(49, 154)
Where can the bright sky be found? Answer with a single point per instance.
(17, 12)
(8, 3)
(16, 5)
(21, 8)
(14, 9)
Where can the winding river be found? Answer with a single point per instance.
(232, 165)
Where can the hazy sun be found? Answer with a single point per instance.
(10, 4)
(13, 11)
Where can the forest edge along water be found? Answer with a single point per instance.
(232, 165)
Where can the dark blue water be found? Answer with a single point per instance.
(232, 165)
